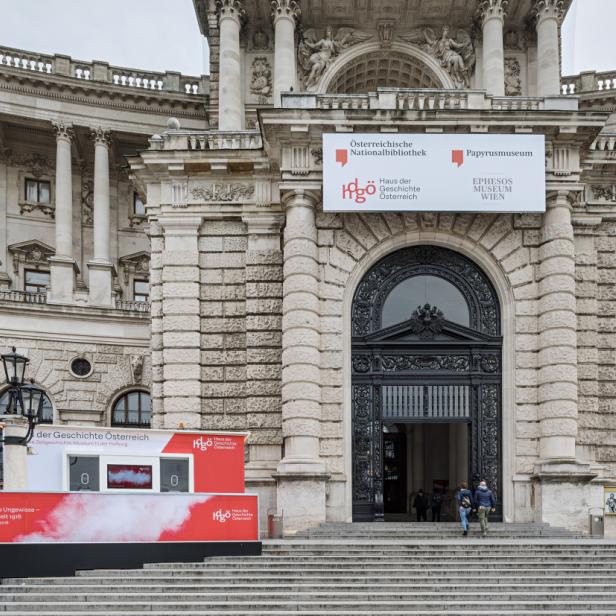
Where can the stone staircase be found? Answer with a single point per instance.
(343, 569)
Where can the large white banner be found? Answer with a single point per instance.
(436, 173)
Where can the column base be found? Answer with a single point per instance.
(15, 455)
(62, 280)
(562, 493)
(301, 494)
(101, 283)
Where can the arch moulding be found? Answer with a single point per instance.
(412, 51)
(486, 261)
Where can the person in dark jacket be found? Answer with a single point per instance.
(420, 504)
(485, 502)
(436, 502)
(464, 499)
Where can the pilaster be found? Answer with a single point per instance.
(178, 332)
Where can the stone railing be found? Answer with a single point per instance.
(23, 297)
(589, 81)
(400, 99)
(123, 304)
(102, 72)
(207, 140)
(605, 142)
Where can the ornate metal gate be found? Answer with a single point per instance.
(415, 363)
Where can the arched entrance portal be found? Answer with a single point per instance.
(426, 361)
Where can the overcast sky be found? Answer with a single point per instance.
(163, 34)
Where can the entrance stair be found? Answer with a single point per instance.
(352, 569)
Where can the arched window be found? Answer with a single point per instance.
(132, 409)
(47, 407)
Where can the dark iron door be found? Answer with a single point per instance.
(425, 368)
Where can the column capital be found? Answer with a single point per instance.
(233, 9)
(489, 9)
(289, 9)
(548, 9)
(299, 197)
(100, 136)
(64, 131)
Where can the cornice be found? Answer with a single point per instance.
(64, 89)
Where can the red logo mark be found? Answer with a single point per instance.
(357, 193)
(342, 157)
(457, 157)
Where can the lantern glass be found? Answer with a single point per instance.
(32, 402)
(14, 367)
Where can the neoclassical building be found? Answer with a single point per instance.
(165, 257)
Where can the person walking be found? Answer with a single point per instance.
(485, 502)
(420, 504)
(436, 502)
(464, 499)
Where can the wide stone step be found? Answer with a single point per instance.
(360, 612)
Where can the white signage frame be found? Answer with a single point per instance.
(419, 172)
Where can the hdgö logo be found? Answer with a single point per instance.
(357, 193)
(201, 444)
(221, 516)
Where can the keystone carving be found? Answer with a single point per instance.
(456, 55)
(316, 55)
(136, 366)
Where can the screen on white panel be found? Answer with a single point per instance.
(419, 173)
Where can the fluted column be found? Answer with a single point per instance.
(493, 17)
(548, 14)
(100, 267)
(62, 265)
(230, 99)
(557, 361)
(301, 473)
(285, 14)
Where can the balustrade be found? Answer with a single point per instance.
(589, 81)
(24, 297)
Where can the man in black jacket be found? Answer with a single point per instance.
(420, 504)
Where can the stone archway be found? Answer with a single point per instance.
(424, 368)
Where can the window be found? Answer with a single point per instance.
(132, 409)
(141, 291)
(38, 191)
(47, 407)
(36, 281)
(420, 290)
(138, 205)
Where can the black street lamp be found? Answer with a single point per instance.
(24, 399)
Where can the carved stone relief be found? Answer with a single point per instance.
(87, 202)
(513, 80)
(604, 192)
(224, 192)
(261, 81)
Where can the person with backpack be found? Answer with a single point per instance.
(485, 502)
(436, 502)
(464, 499)
(420, 504)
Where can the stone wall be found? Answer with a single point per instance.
(82, 401)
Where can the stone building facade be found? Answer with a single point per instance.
(254, 290)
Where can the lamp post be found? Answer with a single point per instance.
(25, 399)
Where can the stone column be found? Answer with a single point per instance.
(230, 99)
(5, 279)
(100, 267)
(180, 338)
(548, 14)
(493, 17)
(285, 14)
(15, 456)
(561, 482)
(263, 352)
(301, 473)
(62, 264)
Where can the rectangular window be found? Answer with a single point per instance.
(141, 291)
(83, 474)
(38, 191)
(138, 205)
(129, 477)
(35, 281)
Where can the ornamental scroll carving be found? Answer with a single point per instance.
(261, 82)
(456, 54)
(453, 363)
(224, 192)
(315, 55)
(513, 80)
(604, 192)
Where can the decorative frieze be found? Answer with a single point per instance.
(224, 192)
(604, 192)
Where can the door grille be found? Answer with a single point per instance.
(426, 401)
